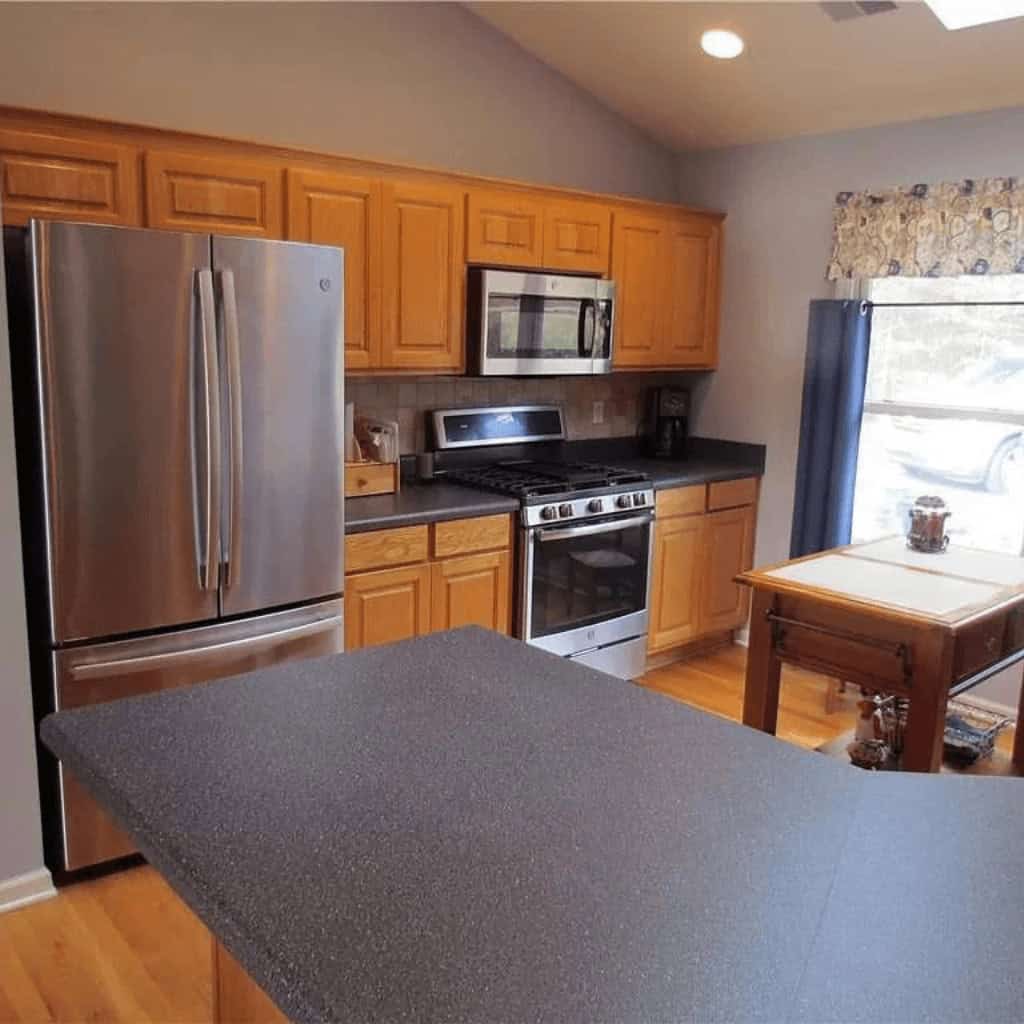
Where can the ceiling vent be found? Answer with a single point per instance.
(847, 10)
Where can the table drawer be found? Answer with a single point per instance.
(681, 501)
(844, 653)
(464, 536)
(381, 548)
(979, 645)
(732, 493)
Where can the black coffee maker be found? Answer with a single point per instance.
(665, 425)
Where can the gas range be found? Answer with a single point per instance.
(552, 490)
(584, 539)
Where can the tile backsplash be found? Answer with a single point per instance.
(406, 399)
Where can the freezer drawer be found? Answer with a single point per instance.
(130, 668)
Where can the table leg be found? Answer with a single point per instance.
(926, 718)
(761, 690)
(1018, 737)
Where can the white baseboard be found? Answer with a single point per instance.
(21, 890)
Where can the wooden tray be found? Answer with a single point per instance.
(366, 478)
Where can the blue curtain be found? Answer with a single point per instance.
(838, 338)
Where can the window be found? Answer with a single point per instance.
(944, 408)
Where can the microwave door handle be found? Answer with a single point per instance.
(585, 329)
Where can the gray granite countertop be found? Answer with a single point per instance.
(465, 828)
(708, 462)
(423, 503)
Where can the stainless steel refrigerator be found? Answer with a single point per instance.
(180, 432)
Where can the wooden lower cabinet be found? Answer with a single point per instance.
(388, 605)
(697, 555)
(676, 582)
(728, 549)
(471, 590)
(412, 580)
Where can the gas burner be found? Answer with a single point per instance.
(527, 480)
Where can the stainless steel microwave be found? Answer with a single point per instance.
(523, 324)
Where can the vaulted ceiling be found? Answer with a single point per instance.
(802, 73)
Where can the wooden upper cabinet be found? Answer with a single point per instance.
(691, 305)
(345, 210)
(67, 179)
(191, 192)
(728, 546)
(505, 228)
(474, 590)
(385, 606)
(676, 582)
(639, 249)
(423, 276)
(577, 236)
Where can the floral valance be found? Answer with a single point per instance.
(965, 227)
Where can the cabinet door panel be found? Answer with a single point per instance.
(676, 582)
(472, 590)
(504, 227)
(382, 607)
(691, 303)
(67, 179)
(190, 192)
(577, 236)
(345, 210)
(638, 269)
(728, 550)
(423, 276)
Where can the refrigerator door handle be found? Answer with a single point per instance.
(151, 662)
(208, 510)
(233, 541)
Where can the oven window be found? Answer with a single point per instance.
(532, 327)
(585, 580)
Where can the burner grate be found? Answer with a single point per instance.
(539, 479)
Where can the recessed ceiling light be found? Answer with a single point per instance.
(967, 13)
(721, 43)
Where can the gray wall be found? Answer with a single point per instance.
(429, 84)
(779, 197)
(21, 849)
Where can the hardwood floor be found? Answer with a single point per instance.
(714, 682)
(121, 949)
(124, 949)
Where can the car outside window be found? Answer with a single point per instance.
(944, 408)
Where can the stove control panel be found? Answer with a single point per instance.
(587, 508)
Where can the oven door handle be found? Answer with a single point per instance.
(591, 529)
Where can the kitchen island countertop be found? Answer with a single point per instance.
(462, 827)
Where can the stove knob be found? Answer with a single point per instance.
(624, 501)
(595, 505)
(565, 510)
(549, 512)
(639, 499)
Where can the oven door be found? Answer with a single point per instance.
(544, 324)
(586, 585)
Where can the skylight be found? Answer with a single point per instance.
(956, 14)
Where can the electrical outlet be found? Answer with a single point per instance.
(599, 412)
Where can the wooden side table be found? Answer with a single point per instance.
(926, 627)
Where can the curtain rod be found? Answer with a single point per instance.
(918, 305)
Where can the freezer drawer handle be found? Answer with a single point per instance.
(209, 472)
(149, 662)
(233, 541)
